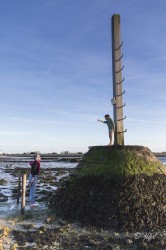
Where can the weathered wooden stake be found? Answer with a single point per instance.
(117, 80)
(18, 189)
(23, 193)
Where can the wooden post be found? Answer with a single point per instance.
(18, 190)
(23, 193)
(117, 80)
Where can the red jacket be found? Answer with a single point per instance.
(35, 167)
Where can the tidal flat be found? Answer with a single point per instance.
(41, 228)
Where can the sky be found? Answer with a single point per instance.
(56, 73)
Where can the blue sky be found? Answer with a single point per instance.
(56, 73)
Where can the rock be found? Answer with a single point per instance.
(129, 241)
(115, 234)
(3, 182)
(49, 220)
(4, 231)
(56, 244)
(41, 232)
(120, 188)
(13, 247)
(61, 172)
(1, 246)
(3, 198)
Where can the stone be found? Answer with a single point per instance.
(118, 187)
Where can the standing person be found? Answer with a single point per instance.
(111, 127)
(35, 168)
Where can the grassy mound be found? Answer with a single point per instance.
(120, 188)
(120, 160)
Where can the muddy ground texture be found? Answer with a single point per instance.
(46, 227)
(58, 234)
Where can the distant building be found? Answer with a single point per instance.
(1, 153)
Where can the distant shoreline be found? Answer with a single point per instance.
(163, 154)
(52, 155)
(49, 155)
(72, 158)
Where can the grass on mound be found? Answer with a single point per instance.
(119, 160)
